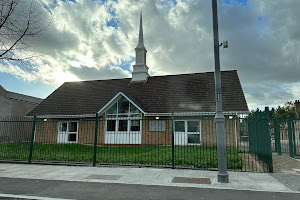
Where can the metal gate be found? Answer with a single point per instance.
(286, 136)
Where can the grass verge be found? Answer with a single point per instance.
(196, 157)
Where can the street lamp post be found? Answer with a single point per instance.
(223, 176)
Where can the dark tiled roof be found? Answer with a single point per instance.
(20, 97)
(160, 94)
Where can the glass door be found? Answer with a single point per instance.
(193, 131)
(180, 135)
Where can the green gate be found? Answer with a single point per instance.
(287, 136)
(260, 137)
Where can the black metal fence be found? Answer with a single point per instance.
(175, 141)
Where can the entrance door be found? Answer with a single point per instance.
(180, 134)
(67, 132)
(193, 132)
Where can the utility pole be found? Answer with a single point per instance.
(223, 176)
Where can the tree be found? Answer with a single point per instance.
(286, 111)
(20, 22)
(282, 112)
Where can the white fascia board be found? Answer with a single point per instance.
(146, 114)
(115, 99)
(195, 113)
(65, 116)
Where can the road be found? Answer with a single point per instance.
(87, 190)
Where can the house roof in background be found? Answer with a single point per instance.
(160, 94)
(20, 97)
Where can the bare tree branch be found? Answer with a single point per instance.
(20, 22)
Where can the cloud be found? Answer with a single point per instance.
(86, 73)
(263, 35)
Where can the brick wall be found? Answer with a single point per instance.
(86, 131)
(156, 137)
(208, 132)
(46, 132)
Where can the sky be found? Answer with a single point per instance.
(95, 39)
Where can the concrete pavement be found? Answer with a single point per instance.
(12, 188)
(287, 171)
(285, 164)
(143, 176)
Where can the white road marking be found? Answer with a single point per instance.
(29, 197)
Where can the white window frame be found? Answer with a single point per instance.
(128, 126)
(193, 133)
(128, 118)
(186, 130)
(122, 116)
(117, 114)
(67, 132)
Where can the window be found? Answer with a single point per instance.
(111, 125)
(72, 137)
(135, 125)
(123, 108)
(123, 125)
(194, 138)
(179, 126)
(112, 110)
(72, 126)
(123, 116)
(193, 132)
(67, 132)
(193, 126)
(157, 125)
(63, 126)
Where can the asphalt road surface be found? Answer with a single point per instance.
(90, 191)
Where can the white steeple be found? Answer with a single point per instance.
(140, 69)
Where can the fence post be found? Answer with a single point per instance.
(31, 140)
(268, 140)
(256, 129)
(250, 133)
(173, 156)
(95, 140)
(277, 136)
(290, 137)
(294, 138)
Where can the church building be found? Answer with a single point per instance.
(140, 110)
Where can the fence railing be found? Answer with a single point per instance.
(178, 141)
(260, 137)
(286, 136)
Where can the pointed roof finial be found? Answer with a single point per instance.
(141, 37)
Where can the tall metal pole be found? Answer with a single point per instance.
(223, 176)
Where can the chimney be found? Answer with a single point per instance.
(297, 107)
(140, 69)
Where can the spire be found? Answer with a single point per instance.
(141, 37)
(140, 69)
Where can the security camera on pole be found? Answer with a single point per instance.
(223, 176)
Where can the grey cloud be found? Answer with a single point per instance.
(86, 73)
(261, 95)
(55, 41)
(265, 51)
